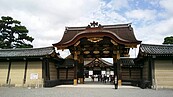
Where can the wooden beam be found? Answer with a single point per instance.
(77, 43)
(131, 46)
(75, 56)
(118, 55)
(113, 42)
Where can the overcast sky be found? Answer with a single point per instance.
(46, 20)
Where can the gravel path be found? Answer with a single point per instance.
(83, 92)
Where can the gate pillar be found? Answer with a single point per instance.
(80, 71)
(116, 58)
(75, 67)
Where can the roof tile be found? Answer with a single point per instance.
(27, 52)
(156, 49)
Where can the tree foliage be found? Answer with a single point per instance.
(168, 40)
(13, 34)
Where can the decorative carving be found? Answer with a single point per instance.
(96, 52)
(106, 52)
(86, 52)
(95, 39)
(93, 25)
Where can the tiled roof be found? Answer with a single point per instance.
(123, 32)
(98, 62)
(106, 62)
(27, 52)
(127, 62)
(156, 49)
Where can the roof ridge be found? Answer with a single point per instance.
(163, 45)
(156, 49)
(18, 49)
(26, 52)
(83, 27)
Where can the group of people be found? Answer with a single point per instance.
(103, 78)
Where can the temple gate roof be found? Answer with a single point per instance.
(120, 33)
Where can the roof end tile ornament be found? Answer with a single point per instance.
(94, 25)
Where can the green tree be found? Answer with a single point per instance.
(13, 34)
(168, 40)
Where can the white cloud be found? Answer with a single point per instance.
(153, 2)
(46, 20)
(155, 32)
(140, 14)
(167, 5)
(134, 52)
(118, 4)
(64, 53)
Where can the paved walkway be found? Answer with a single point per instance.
(90, 84)
(84, 90)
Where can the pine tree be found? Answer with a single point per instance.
(168, 40)
(13, 34)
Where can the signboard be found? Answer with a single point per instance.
(112, 72)
(90, 72)
(103, 72)
(34, 76)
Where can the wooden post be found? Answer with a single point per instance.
(115, 73)
(116, 58)
(119, 69)
(58, 73)
(81, 69)
(75, 68)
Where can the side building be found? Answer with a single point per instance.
(129, 72)
(33, 67)
(157, 62)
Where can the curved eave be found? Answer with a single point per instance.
(161, 55)
(95, 33)
(24, 57)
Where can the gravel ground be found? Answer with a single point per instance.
(83, 92)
